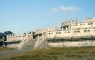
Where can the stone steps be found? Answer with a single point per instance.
(29, 45)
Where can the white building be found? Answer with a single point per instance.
(73, 33)
(71, 29)
(18, 40)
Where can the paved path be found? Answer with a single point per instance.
(4, 55)
(11, 51)
(27, 47)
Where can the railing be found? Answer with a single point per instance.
(24, 41)
(40, 41)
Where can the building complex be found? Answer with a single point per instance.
(71, 33)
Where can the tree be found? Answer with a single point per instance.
(7, 33)
(1, 34)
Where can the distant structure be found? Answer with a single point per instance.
(3, 37)
(71, 29)
(72, 33)
(17, 41)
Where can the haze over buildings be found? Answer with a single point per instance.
(26, 15)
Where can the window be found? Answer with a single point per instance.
(88, 23)
(84, 30)
(91, 23)
(19, 36)
(78, 31)
(49, 33)
(58, 32)
(88, 30)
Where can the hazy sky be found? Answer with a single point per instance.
(21, 16)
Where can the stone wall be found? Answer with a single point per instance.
(18, 37)
(17, 41)
(72, 44)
